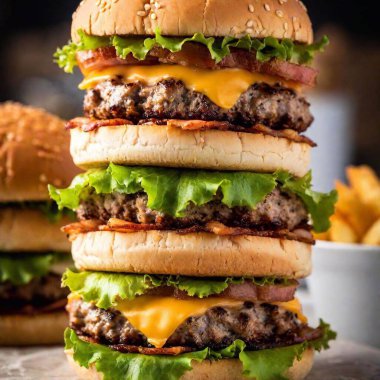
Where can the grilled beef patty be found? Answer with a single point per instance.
(259, 325)
(276, 107)
(39, 292)
(277, 210)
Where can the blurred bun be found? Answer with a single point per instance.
(34, 151)
(33, 330)
(219, 18)
(29, 230)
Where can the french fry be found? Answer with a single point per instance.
(322, 236)
(366, 185)
(341, 231)
(372, 237)
(358, 215)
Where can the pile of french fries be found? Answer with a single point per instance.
(357, 213)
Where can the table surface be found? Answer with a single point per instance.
(344, 361)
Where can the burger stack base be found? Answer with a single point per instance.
(196, 209)
(34, 150)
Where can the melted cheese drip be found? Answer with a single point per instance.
(294, 307)
(158, 317)
(223, 87)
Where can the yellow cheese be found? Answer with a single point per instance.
(294, 307)
(223, 87)
(158, 317)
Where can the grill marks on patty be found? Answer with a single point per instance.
(277, 210)
(38, 293)
(259, 325)
(275, 106)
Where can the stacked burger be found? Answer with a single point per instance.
(34, 150)
(195, 212)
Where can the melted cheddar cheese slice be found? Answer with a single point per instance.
(223, 86)
(158, 317)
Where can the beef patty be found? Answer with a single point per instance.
(38, 293)
(259, 325)
(275, 106)
(278, 210)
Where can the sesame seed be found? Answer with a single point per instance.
(267, 7)
(251, 8)
(153, 16)
(157, 5)
(249, 23)
(152, 1)
(249, 30)
(282, 2)
(141, 13)
(286, 26)
(279, 13)
(147, 7)
(43, 178)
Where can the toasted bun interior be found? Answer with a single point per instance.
(226, 369)
(260, 18)
(29, 230)
(34, 151)
(33, 330)
(193, 254)
(153, 145)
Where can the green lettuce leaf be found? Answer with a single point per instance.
(65, 57)
(139, 47)
(21, 270)
(320, 205)
(118, 366)
(269, 364)
(171, 191)
(106, 289)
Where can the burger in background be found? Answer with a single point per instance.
(34, 150)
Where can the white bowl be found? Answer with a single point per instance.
(345, 288)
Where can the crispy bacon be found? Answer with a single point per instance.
(117, 225)
(89, 125)
(196, 55)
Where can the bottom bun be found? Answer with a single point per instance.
(33, 330)
(227, 369)
(193, 254)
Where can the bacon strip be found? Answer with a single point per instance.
(196, 55)
(117, 225)
(89, 125)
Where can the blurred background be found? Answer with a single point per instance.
(346, 104)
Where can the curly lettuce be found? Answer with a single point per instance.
(106, 289)
(20, 269)
(260, 365)
(171, 191)
(219, 48)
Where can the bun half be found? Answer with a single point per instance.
(33, 330)
(227, 369)
(218, 18)
(193, 254)
(173, 147)
(29, 230)
(34, 151)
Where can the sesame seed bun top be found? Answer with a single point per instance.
(34, 151)
(219, 18)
